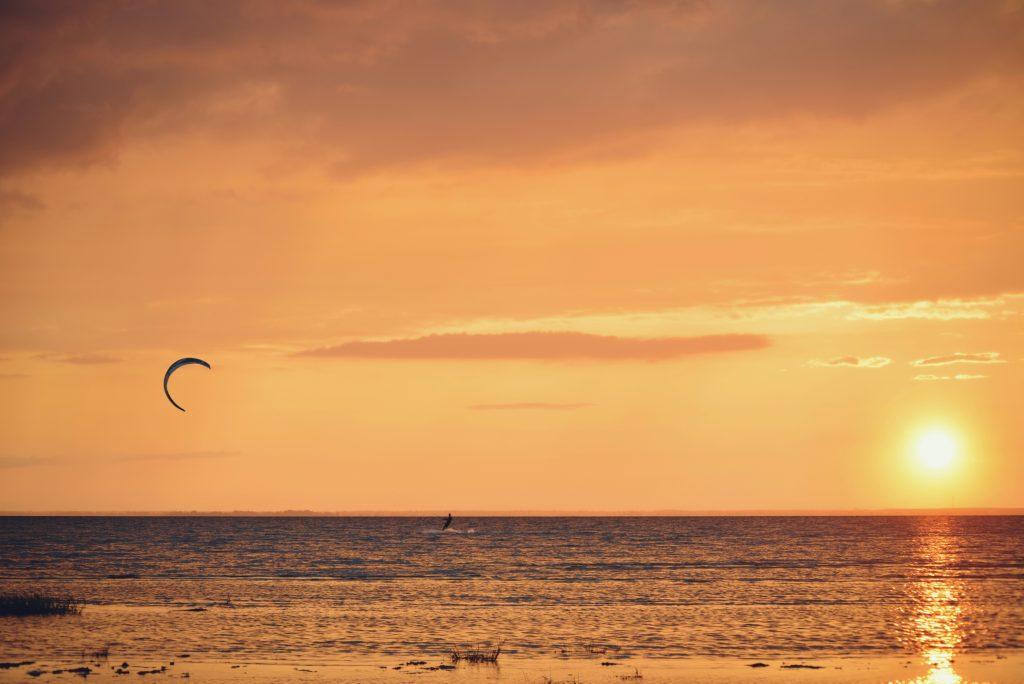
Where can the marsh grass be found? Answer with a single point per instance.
(38, 603)
(476, 655)
(101, 654)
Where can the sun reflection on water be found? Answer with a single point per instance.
(934, 629)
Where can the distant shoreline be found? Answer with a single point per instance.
(529, 513)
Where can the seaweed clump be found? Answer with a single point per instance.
(38, 603)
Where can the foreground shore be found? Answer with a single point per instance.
(990, 669)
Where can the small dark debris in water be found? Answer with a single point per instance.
(417, 662)
(146, 672)
(172, 662)
(235, 667)
(7, 666)
(302, 669)
(57, 672)
(198, 609)
(121, 671)
(800, 666)
(397, 667)
(82, 671)
(383, 667)
(609, 663)
(126, 665)
(445, 667)
(35, 673)
(183, 655)
(758, 665)
(124, 575)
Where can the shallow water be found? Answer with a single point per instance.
(347, 589)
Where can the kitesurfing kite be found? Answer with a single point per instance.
(175, 366)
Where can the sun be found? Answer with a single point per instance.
(936, 449)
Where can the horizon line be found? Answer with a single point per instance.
(536, 513)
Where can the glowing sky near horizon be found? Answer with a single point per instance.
(566, 255)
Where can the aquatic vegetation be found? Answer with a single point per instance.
(37, 603)
(7, 666)
(476, 654)
(573, 679)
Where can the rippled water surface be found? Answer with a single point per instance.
(339, 589)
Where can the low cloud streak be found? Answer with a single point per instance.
(960, 357)
(8, 462)
(852, 362)
(540, 346)
(179, 456)
(531, 406)
(81, 359)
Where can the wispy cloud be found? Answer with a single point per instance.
(28, 461)
(39, 461)
(178, 456)
(80, 359)
(852, 362)
(958, 376)
(540, 346)
(530, 405)
(14, 200)
(938, 309)
(959, 357)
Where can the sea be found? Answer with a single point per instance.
(363, 589)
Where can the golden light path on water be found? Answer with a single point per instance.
(934, 628)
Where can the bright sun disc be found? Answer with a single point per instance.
(936, 449)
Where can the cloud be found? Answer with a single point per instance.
(28, 461)
(179, 456)
(32, 462)
(81, 359)
(381, 84)
(959, 357)
(958, 376)
(934, 310)
(14, 200)
(540, 346)
(852, 362)
(530, 405)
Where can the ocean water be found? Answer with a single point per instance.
(336, 590)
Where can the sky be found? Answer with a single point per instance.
(565, 255)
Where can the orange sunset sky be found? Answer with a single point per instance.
(511, 255)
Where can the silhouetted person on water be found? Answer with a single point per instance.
(447, 522)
